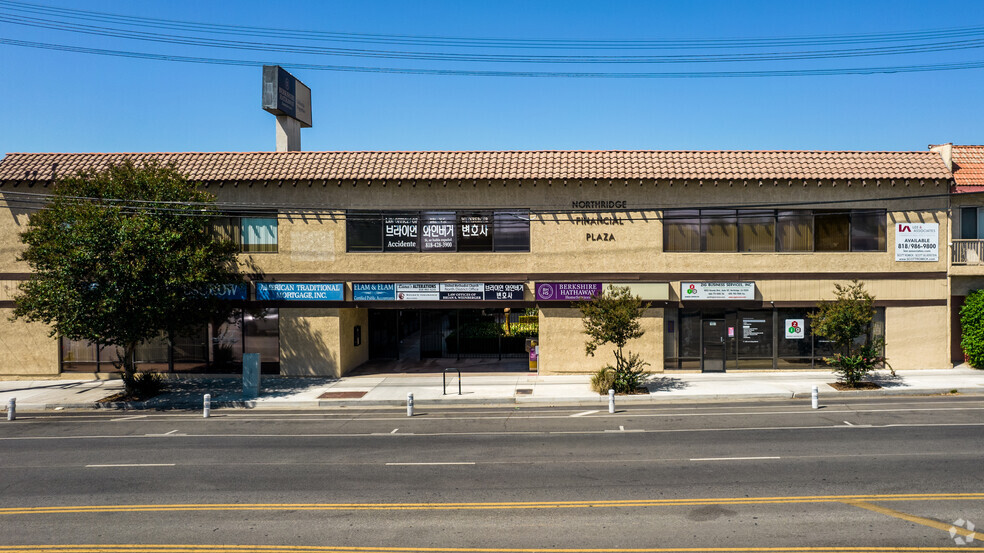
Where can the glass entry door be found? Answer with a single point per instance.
(713, 345)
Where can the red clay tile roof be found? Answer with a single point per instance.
(968, 168)
(498, 165)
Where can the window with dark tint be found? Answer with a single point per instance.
(363, 231)
(833, 231)
(719, 230)
(512, 231)
(475, 231)
(681, 230)
(968, 223)
(795, 230)
(437, 231)
(401, 232)
(756, 231)
(868, 231)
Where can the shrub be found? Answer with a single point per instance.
(846, 322)
(972, 325)
(143, 385)
(603, 380)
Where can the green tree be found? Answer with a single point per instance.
(613, 318)
(972, 328)
(846, 322)
(120, 255)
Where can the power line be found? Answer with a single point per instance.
(489, 73)
(752, 42)
(182, 40)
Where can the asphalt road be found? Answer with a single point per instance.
(777, 476)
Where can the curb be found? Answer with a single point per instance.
(493, 402)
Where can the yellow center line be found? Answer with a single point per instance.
(599, 504)
(911, 518)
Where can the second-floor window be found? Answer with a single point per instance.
(758, 230)
(252, 234)
(437, 231)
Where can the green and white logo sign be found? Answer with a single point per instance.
(794, 329)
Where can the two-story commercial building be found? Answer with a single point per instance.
(378, 256)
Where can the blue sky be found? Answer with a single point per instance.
(61, 101)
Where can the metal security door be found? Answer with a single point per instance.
(713, 350)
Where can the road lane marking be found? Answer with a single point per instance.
(504, 433)
(434, 463)
(910, 518)
(584, 413)
(604, 503)
(733, 458)
(131, 418)
(252, 548)
(394, 431)
(847, 423)
(130, 465)
(622, 428)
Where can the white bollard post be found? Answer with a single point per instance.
(207, 406)
(12, 409)
(816, 398)
(409, 404)
(611, 401)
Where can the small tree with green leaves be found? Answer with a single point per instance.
(120, 255)
(846, 322)
(972, 328)
(613, 318)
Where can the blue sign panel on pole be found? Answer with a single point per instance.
(299, 291)
(373, 291)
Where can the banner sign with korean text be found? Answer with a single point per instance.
(567, 291)
(917, 241)
(717, 290)
(299, 291)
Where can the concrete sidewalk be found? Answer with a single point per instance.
(477, 389)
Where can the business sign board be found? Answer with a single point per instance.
(417, 291)
(228, 291)
(717, 290)
(435, 291)
(567, 291)
(373, 291)
(300, 291)
(795, 329)
(917, 241)
(283, 94)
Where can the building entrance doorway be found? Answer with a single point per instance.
(714, 351)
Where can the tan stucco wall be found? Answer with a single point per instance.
(316, 244)
(917, 337)
(351, 356)
(562, 342)
(26, 349)
(309, 344)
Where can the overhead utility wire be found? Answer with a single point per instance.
(219, 209)
(214, 28)
(490, 73)
(184, 40)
